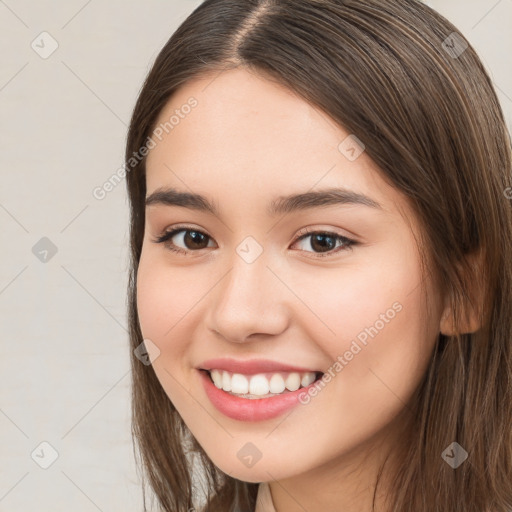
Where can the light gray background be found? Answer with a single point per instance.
(64, 363)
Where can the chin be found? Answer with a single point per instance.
(263, 470)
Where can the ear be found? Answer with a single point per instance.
(471, 318)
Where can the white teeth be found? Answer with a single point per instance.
(260, 385)
(239, 384)
(226, 381)
(307, 379)
(277, 383)
(217, 378)
(293, 381)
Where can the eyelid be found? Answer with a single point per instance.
(332, 231)
(179, 227)
(304, 231)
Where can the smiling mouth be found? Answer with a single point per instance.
(261, 385)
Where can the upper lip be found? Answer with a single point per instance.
(251, 366)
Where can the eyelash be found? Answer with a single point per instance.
(347, 242)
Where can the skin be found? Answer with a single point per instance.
(247, 142)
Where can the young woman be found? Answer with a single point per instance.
(321, 274)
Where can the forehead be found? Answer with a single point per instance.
(247, 135)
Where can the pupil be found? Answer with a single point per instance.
(193, 237)
(322, 242)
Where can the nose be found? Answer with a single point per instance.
(249, 302)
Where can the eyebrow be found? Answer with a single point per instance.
(281, 205)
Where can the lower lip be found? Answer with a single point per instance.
(246, 409)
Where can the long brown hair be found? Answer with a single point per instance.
(399, 76)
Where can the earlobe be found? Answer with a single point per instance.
(471, 315)
(445, 324)
(450, 327)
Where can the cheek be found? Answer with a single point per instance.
(376, 339)
(343, 302)
(374, 300)
(165, 301)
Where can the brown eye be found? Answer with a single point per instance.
(191, 239)
(324, 244)
(195, 240)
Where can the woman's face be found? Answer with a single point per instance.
(250, 285)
